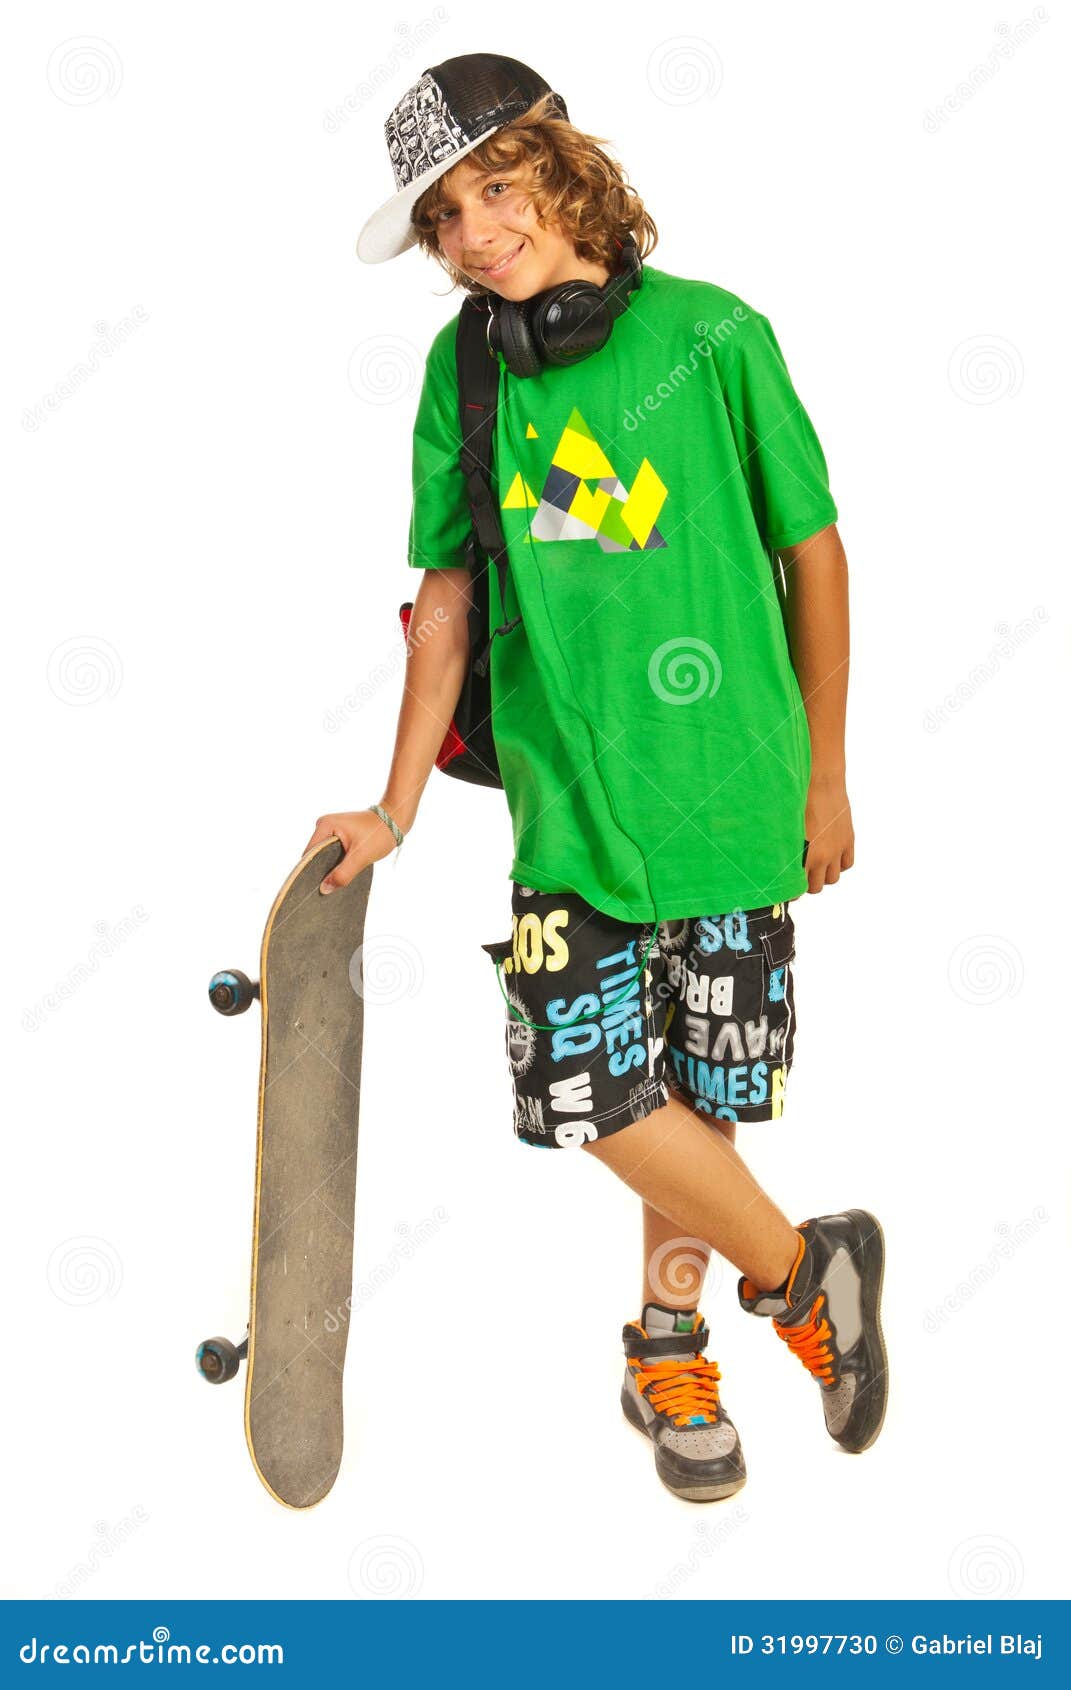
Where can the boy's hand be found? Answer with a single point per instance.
(828, 828)
(366, 837)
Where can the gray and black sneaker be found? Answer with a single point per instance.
(828, 1312)
(670, 1394)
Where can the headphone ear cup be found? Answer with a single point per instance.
(515, 337)
(571, 323)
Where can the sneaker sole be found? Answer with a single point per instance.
(872, 1276)
(688, 1493)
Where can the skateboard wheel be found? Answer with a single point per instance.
(217, 1360)
(231, 992)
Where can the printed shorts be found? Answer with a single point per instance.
(592, 1048)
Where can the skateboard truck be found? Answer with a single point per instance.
(231, 992)
(218, 1359)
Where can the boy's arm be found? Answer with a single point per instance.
(437, 655)
(816, 623)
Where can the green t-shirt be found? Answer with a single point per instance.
(651, 736)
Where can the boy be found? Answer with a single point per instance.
(675, 775)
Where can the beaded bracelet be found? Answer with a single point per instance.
(390, 821)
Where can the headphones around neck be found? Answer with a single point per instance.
(563, 324)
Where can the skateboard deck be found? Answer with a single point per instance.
(312, 1029)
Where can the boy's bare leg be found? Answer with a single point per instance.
(697, 1180)
(674, 1264)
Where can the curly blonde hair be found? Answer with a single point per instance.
(573, 184)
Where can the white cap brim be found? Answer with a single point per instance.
(389, 231)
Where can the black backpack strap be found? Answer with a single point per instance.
(477, 382)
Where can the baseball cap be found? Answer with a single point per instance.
(454, 106)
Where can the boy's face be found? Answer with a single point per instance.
(489, 229)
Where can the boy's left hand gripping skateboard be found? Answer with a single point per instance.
(312, 1028)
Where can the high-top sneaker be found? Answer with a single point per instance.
(670, 1393)
(828, 1312)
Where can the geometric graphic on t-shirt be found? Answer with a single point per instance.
(583, 499)
(520, 496)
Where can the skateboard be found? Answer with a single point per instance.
(312, 1030)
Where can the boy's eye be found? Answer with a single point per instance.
(448, 211)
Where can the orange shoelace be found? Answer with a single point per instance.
(684, 1389)
(809, 1343)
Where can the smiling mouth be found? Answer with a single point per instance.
(500, 264)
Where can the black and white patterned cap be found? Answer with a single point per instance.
(453, 107)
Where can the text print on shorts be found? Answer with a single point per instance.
(712, 1019)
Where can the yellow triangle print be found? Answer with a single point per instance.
(578, 454)
(640, 510)
(589, 505)
(530, 433)
(520, 496)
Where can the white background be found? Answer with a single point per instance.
(206, 555)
